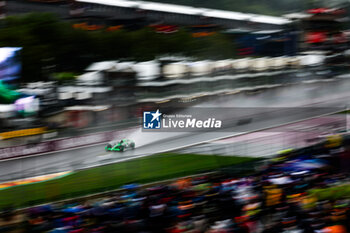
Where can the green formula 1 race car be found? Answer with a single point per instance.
(121, 145)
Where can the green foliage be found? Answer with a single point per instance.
(64, 76)
(48, 42)
(214, 47)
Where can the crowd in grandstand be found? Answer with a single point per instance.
(274, 201)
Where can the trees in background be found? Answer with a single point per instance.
(50, 45)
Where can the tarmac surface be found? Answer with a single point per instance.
(322, 97)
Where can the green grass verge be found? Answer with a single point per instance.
(108, 177)
(344, 112)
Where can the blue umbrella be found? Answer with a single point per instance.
(74, 209)
(130, 186)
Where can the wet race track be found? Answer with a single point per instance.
(324, 97)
